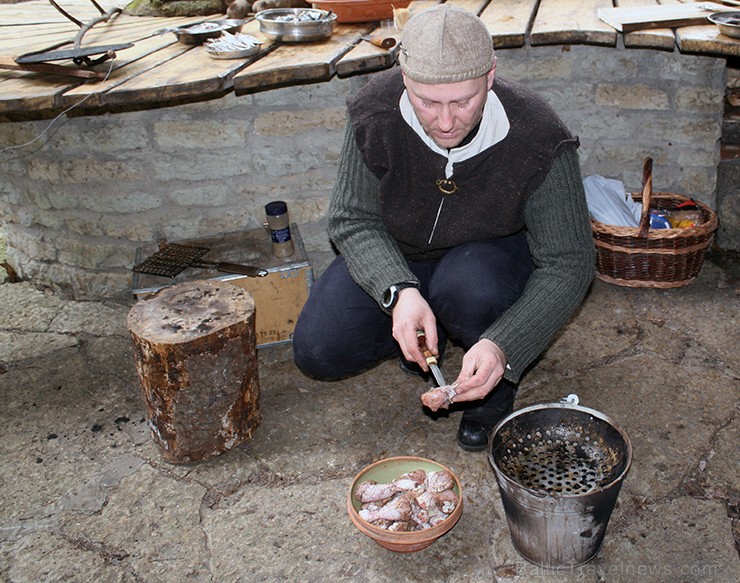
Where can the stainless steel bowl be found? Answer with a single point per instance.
(296, 24)
(728, 23)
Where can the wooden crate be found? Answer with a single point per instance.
(278, 297)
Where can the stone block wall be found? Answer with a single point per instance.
(77, 203)
(628, 104)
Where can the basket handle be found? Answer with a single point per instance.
(647, 191)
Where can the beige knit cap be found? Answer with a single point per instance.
(446, 44)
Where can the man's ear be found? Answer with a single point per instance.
(491, 74)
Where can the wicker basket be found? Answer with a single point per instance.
(655, 258)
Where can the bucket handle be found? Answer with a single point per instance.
(571, 399)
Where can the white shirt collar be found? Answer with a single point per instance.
(494, 127)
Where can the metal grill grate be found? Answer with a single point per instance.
(171, 260)
(559, 454)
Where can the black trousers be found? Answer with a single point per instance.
(342, 331)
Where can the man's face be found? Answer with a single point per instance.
(449, 112)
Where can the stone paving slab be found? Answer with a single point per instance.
(85, 495)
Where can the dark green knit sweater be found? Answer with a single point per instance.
(557, 225)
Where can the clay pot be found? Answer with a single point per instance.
(386, 471)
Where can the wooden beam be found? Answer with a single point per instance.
(509, 21)
(646, 17)
(571, 22)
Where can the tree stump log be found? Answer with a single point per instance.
(195, 351)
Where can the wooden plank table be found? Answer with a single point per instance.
(509, 21)
(158, 70)
(571, 22)
(656, 38)
(297, 63)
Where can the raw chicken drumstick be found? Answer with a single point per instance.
(439, 397)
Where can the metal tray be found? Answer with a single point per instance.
(197, 34)
(233, 54)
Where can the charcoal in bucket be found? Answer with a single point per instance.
(559, 468)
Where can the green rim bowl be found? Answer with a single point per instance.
(385, 471)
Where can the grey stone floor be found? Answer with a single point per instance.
(85, 496)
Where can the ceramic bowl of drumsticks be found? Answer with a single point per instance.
(405, 503)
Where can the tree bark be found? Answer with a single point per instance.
(195, 352)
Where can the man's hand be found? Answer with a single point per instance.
(410, 314)
(483, 367)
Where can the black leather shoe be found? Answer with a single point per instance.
(410, 368)
(478, 422)
(473, 435)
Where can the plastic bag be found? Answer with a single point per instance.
(609, 203)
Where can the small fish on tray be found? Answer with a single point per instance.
(197, 34)
(232, 46)
(417, 500)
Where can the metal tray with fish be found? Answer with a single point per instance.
(197, 34)
(232, 46)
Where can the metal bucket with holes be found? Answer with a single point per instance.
(559, 468)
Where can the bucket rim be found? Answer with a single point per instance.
(581, 409)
